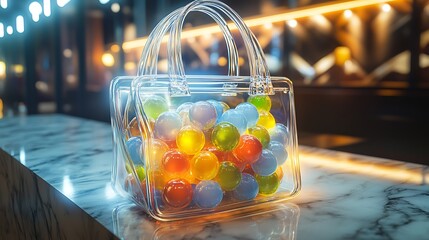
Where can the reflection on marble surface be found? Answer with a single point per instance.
(361, 201)
(278, 222)
(344, 196)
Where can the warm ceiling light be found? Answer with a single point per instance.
(115, 7)
(292, 23)
(2, 69)
(130, 66)
(108, 60)
(67, 53)
(115, 48)
(222, 61)
(18, 68)
(386, 7)
(335, 6)
(268, 25)
(348, 13)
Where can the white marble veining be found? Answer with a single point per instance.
(344, 196)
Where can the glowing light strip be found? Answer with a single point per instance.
(20, 24)
(3, 3)
(390, 170)
(261, 20)
(1, 30)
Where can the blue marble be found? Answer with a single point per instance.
(344, 196)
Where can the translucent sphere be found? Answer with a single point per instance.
(184, 107)
(279, 151)
(266, 164)
(178, 193)
(190, 140)
(157, 149)
(167, 126)
(204, 165)
(266, 119)
(218, 106)
(208, 194)
(248, 150)
(280, 133)
(141, 173)
(250, 112)
(280, 173)
(203, 115)
(154, 105)
(134, 146)
(268, 185)
(247, 189)
(230, 157)
(225, 136)
(260, 102)
(236, 118)
(221, 155)
(229, 176)
(183, 111)
(133, 127)
(261, 134)
(175, 162)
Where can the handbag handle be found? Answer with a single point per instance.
(149, 57)
(259, 74)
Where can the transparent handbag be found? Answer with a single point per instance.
(203, 145)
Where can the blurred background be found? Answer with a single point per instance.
(360, 68)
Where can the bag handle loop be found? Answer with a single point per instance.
(149, 57)
(259, 74)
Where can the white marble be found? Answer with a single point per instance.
(344, 196)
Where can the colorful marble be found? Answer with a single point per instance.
(208, 194)
(279, 152)
(248, 150)
(175, 162)
(261, 134)
(153, 106)
(250, 112)
(260, 102)
(190, 140)
(157, 149)
(266, 120)
(134, 146)
(225, 136)
(229, 176)
(266, 164)
(178, 193)
(203, 115)
(204, 165)
(236, 118)
(247, 189)
(268, 185)
(280, 133)
(167, 126)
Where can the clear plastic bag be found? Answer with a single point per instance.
(187, 145)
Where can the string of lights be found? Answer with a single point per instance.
(35, 9)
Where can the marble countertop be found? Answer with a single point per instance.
(344, 196)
